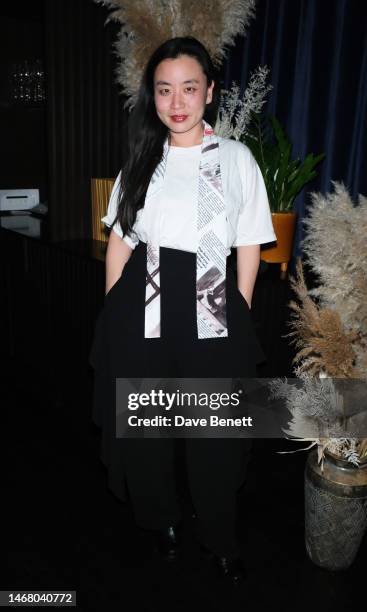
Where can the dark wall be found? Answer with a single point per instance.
(85, 119)
(78, 132)
(23, 157)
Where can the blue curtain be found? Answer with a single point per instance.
(317, 54)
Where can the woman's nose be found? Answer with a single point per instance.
(176, 100)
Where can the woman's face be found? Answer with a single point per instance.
(180, 95)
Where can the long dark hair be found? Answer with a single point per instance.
(147, 133)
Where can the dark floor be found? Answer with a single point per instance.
(63, 529)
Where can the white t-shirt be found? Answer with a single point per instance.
(248, 213)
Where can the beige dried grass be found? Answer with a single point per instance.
(336, 250)
(329, 323)
(146, 24)
(319, 335)
(331, 333)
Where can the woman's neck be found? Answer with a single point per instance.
(188, 139)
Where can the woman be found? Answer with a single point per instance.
(173, 308)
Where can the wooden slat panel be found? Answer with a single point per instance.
(100, 195)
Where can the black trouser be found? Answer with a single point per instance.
(215, 466)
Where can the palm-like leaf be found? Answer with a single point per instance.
(284, 178)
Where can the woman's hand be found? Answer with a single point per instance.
(248, 261)
(117, 254)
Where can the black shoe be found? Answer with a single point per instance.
(233, 570)
(168, 542)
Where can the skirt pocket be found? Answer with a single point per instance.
(243, 325)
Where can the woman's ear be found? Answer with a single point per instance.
(209, 94)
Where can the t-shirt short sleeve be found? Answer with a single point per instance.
(254, 221)
(109, 218)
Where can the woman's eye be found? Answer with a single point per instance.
(161, 91)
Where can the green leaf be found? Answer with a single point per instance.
(283, 177)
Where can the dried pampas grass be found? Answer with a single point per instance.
(319, 335)
(331, 334)
(146, 24)
(336, 249)
(329, 323)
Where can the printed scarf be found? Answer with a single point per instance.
(212, 247)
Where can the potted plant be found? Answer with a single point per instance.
(284, 177)
(329, 329)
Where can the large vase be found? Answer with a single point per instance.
(335, 510)
(284, 224)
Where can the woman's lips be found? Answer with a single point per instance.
(178, 118)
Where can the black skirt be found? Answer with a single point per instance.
(119, 348)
